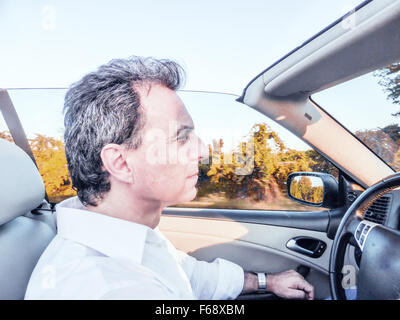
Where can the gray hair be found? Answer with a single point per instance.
(104, 107)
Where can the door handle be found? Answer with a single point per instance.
(310, 247)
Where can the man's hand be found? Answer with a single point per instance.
(290, 285)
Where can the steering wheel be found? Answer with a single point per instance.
(379, 272)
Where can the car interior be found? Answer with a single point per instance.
(315, 243)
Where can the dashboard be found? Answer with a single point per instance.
(384, 211)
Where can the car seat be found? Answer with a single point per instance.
(23, 235)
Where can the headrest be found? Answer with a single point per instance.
(21, 186)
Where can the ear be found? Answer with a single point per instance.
(113, 157)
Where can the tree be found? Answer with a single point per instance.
(320, 164)
(393, 131)
(304, 190)
(385, 142)
(318, 194)
(257, 169)
(50, 157)
(390, 80)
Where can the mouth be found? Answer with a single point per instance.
(193, 175)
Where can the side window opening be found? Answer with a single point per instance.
(250, 157)
(248, 171)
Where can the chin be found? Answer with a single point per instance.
(188, 196)
(192, 194)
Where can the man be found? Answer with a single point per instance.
(131, 151)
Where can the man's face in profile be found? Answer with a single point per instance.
(166, 163)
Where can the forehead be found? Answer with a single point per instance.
(161, 106)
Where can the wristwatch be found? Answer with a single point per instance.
(262, 281)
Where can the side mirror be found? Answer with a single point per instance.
(313, 189)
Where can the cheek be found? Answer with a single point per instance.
(165, 181)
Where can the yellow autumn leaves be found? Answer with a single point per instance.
(304, 190)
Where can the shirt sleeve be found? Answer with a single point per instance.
(217, 280)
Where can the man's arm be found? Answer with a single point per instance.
(216, 280)
(222, 279)
(250, 283)
(288, 285)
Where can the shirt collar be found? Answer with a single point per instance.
(111, 236)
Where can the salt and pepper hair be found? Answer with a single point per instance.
(104, 107)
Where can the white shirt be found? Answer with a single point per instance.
(94, 256)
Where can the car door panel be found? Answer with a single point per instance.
(254, 246)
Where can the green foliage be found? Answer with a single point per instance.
(258, 168)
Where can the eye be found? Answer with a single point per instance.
(183, 138)
(184, 135)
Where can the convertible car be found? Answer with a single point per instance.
(301, 173)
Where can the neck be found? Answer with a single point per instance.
(135, 209)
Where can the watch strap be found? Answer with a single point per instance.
(262, 281)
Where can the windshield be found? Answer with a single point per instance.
(369, 106)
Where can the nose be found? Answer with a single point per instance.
(197, 151)
(203, 150)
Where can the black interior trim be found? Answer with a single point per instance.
(258, 296)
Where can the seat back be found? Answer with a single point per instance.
(23, 237)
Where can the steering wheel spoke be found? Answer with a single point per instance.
(362, 231)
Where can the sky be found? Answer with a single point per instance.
(221, 44)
